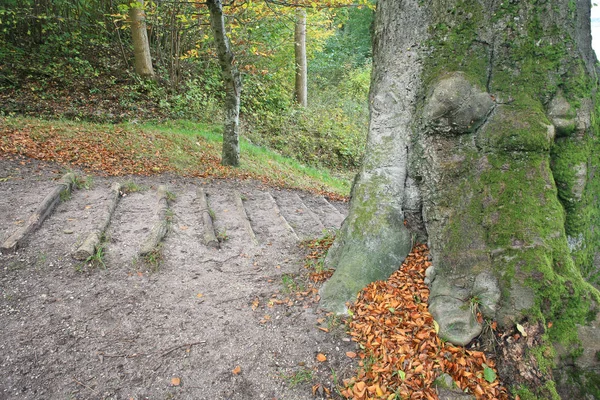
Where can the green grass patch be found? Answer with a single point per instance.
(181, 147)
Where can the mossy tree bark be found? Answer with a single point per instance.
(233, 85)
(484, 140)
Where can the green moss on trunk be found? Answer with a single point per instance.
(523, 203)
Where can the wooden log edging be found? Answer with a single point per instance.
(42, 212)
(239, 204)
(91, 243)
(209, 237)
(160, 227)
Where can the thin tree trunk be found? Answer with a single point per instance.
(233, 85)
(141, 47)
(301, 87)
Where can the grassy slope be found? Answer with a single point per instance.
(180, 147)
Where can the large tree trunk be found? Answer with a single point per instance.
(483, 141)
(233, 85)
(141, 47)
(301, 83)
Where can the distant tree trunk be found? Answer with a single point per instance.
(301, 87)
(141, 47)
(233, 85)
(484, 141)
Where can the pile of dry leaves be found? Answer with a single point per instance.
(401, 353)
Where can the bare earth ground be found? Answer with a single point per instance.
(73, 331)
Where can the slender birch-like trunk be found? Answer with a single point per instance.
(232, 83)
(301, 86)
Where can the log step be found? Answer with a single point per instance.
(209, 237)
(131, 224)
(94, 238)
(44, 209)
(239, 204)
(161, 224)
(266, 218)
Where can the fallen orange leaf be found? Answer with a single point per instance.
(175, 381)
(321, 357)
(351, 354)
(236, 370)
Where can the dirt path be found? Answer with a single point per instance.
(194, 313)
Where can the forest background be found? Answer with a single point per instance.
(73, 59)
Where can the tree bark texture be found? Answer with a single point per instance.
(89, 246)
(161, 225)
(141, 46)
(208, 237)
(483, 140)
(239, 204)
(233, 85)
(301, 82)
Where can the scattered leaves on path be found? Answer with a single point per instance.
(402, 354)
(315, 259)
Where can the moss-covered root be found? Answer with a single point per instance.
(371, 245)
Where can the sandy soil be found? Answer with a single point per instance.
(174, 327)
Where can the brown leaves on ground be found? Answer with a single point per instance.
(315, 259)
(117, 151)
(402, 354)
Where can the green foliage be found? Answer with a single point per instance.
(489, 374)
(336, 142)
(301, 376)
(290, 284)
(82, 182)
(74, 59)
(132, 187)
(97, 259)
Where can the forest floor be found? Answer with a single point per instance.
(191, 322)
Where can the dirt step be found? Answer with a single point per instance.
(209, 237)
(184, 246)
(266, 219)
(70, 223)
(328, 214)
(306, 224)
(93, 241)
(37, 218)
(131, 223)
(117, 333)
(230, 224)
(17, 202)
(342, 206)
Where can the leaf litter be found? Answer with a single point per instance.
(401, 354)
(121, 151)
